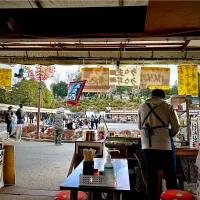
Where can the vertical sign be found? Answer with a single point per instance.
(188, 80)
(5, 77)
(194, 133)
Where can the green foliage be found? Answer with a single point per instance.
(3, 95)
(111, 97)
(26, 92)
(122, 89)
(59, 89)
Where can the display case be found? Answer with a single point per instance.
(181, 105)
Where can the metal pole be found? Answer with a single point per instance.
(39, 104)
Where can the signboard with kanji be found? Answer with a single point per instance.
(5, 77)
(97, 79)
(194, 133)
(155, 76)
(188, 80)
(125, 76)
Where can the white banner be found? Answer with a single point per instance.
(194, 133)
(125, 76)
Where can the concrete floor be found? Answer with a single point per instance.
(41, 166)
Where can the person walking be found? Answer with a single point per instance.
(96, 121)
(8, 120)
(31, 117)
(92, 122)
(59, 125)
(20, 113)
(154, 118)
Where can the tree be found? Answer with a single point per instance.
(26, 92)
(122, 89)
(59, 89)
(3, 95)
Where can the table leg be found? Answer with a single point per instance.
(73, 195)
(96, 195)
(110, 195)
(90, 195)
(117, 196)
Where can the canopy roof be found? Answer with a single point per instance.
(72, 30)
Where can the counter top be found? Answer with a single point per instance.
(186, 152)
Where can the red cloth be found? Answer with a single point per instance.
(176, 194)
(65, 195)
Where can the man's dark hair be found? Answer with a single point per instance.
(21, 105)
(10, 108)
(158, 93)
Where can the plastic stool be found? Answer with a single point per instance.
(176, 195)
(65, 195)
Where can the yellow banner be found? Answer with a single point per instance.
(154, 76)
(5, 77)
(188, 80)
(97, 79)
(162, 87)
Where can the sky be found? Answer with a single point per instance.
(63, 69)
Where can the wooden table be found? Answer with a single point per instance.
(123, 184)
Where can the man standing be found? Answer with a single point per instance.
(154, 118)
(31, 117)
(20, 113)
(59, 125)
(8, 119)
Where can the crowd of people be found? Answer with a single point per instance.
(10, 118)
(91, 122)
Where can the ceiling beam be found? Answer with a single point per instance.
(97, 39)
(185, 45)
(70, 61)
(38, 4)
(96, 49)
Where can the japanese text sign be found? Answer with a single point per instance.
(97, 79)
(155, 76)
(74, 92)
(194, 134)
(188, 80)
(125, 76)
(5, 77)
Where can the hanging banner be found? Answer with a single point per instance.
(97, 79)
(194, 133)
(5, 77)
(125, 76)
(1, 168)
(74, 92)
(154, 76)
(188, 80)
